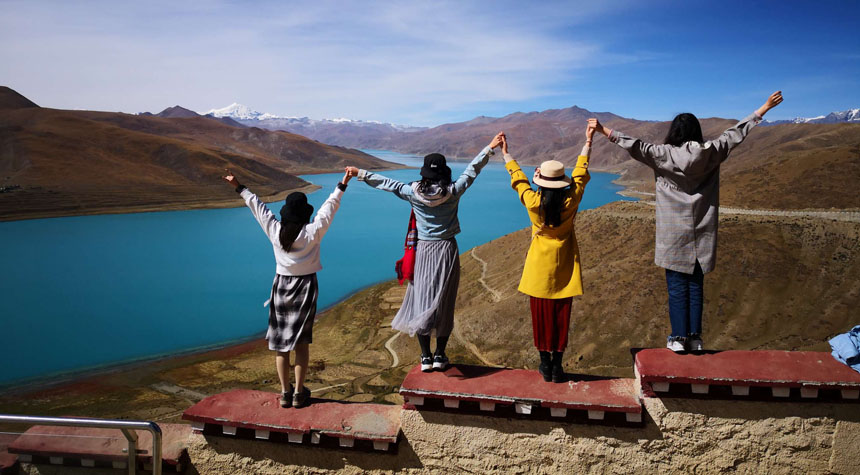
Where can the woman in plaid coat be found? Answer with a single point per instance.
(293, 301)
(687, 172)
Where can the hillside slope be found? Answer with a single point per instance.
(57, 162)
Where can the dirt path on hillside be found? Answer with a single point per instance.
(834, 215)
(497, 296)
(395, 360)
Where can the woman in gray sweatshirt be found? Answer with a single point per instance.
(428, 305)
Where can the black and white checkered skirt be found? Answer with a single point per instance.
(292, 308)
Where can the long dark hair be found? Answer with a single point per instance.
(289, 232)
(443, 183)
(552, 204)
(685, 128)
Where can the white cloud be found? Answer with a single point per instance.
(406, 62)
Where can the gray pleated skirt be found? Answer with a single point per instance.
(430, 298)
(292, 309)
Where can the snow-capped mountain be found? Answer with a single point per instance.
(851, 115)
(248, 116)
(238, 111)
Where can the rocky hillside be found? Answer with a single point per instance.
(60, 162)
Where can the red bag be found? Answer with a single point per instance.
(405, 267)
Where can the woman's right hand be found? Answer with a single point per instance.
(774, 100)
(504, 145)
(596, 126)
(497, 140)
(351, 171)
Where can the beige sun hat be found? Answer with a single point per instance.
(551, 175)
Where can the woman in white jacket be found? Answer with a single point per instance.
(293, 302)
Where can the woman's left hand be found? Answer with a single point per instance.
(231, 179)
(346, 176)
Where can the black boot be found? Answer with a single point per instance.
(557, 368)
(545, 368)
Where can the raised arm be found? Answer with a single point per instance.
(476, 165)
(261, 212)
(733, 136)
(519, 182)
(318, 227)
(580, 171)
(647, 153)
(400, 190)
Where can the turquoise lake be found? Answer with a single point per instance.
(83, 292)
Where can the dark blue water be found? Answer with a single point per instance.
(83, 292)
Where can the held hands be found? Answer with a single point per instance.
(347, 175)
(594, 125)
(231, 179)
(497, 140)
(351, 171)
(774, 100)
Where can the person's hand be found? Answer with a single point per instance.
(590, 129)
(346, 175)
(231, 179)
(497, 140)
(597, 126)
(504, 145)
(774, 100)
(351, 171)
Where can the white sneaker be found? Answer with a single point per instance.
(426, 364)
(696, 344)
(440, 362)
(675, 345)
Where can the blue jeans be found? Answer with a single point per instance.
(685, 302)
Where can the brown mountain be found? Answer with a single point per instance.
(59, 162)
(781, 166)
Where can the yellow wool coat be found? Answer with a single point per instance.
(552, 269)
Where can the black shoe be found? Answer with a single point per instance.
(302, 398)
(440, 362)
(426, 364)
(286, 398)
(557, 368)
(545, 368)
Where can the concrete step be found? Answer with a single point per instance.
(85, 447)
(258, 415)
(8, 462)
(757, 375)
(505, 392)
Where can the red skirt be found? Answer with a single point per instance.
(550, 323)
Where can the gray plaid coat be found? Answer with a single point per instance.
(688, 194)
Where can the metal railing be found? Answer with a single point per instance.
(127, 428)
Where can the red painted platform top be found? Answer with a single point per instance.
(750, 368)
(507, 386)
(7, 460)
(100, 444)
(260, 410)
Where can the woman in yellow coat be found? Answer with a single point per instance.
(551, 276)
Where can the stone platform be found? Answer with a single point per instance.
(257, 414)
(503, 392)
(8, 462)
(762, 375)
(85, 447)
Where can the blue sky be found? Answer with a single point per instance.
(426, 63)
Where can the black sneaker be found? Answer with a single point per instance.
(426, 364)
(301, 398)
(286, 399)
(440, 362)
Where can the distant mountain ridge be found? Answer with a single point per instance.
(850, 115)
(57, 162)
